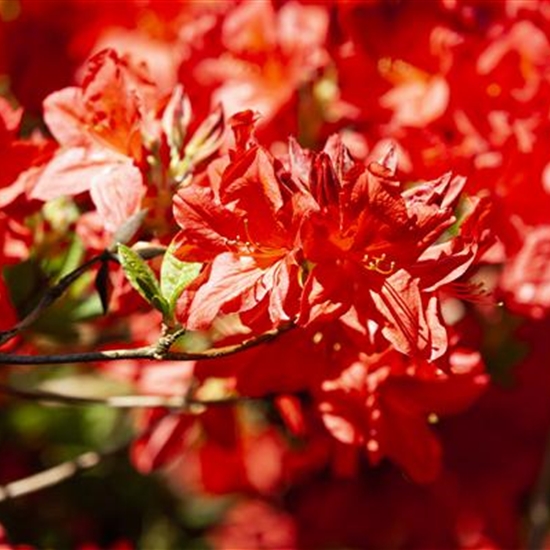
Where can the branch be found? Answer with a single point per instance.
(122, 401)
(50, 296)
(155, 352)
(539, 510)
(65, 470)
(56, 474)
(53, 293)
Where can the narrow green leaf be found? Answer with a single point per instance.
(175, 275)
(141, 277)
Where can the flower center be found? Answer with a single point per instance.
(380, 264)
(249, 247)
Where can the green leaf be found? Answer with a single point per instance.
(175, 275)
(142, 278)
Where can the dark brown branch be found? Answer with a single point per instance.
(56, 474)
(49, 297)
(154, 352)
(53, 293)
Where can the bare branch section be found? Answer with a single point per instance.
(120, 401)
(66, 470)
(539, 509)
(50, 296)
(56, 474)
(152, 353)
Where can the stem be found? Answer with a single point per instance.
(121, 401)
(53, 293)
(49, 297)
(539, 510)
(155, 352)
(56, 474)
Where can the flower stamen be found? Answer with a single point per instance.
(249, 247)
(379, 264)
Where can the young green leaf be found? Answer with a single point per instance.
(175, 275)
(142, 278)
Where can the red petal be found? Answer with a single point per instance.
(411, 325)
(407, 439)
(161, 443)
(117, 192)
(234, 284)
(65, 116)
(71, 171)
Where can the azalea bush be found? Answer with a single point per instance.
(275, 274)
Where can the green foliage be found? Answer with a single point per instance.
(175, 275)
(142, 278)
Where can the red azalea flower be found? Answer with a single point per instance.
(367, 394)
(356, 236)
(124, 142)
(267, 55)
(384, 403)
(242, 219)
(100, 127)
(17, 158)
(255, 524)
(525, 280)
(376, 246)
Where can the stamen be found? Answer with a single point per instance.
(249, 240)
(379, 264)
(250, 247)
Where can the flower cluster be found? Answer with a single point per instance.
(336, 218)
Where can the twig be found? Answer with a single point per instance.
(539, 510)
(56, 474)
(65, 470)
(152, 353)
(121, 401)
(50, 296)
(53, 293)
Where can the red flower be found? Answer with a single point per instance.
(354, 234)
(255, 524)
(267, 55)
(17, 158)
(241, 218)
(526, 277)
(100, 128)
(371, 245)
(124, 142)
(384, 403)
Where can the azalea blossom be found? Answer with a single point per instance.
(268, 54)
(122, 141)
(325, 231)
(525, 281)
(242, 219)
(384, 404)
(100, 129)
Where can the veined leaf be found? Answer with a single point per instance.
(175, 275)
(142, 278)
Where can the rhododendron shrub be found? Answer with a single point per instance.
(287, 259)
